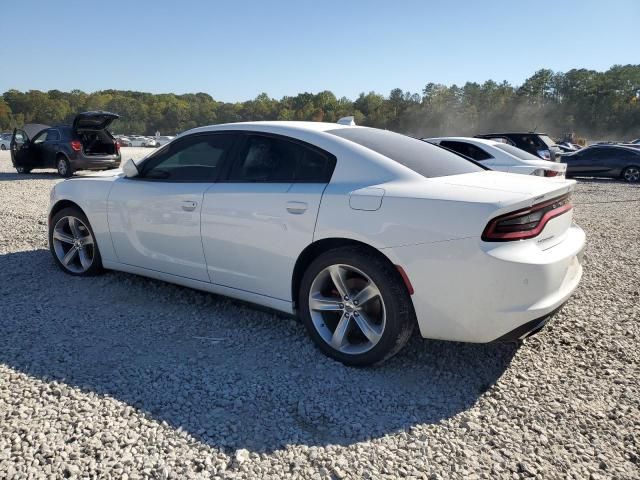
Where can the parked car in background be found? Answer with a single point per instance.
(538, 144)
(151, 142)
(163, 140)
(124, 141)
(137, 141)
(603, 160)
(500, 156)
(84, 145)
(364, 233)
(636, 141)
(5, 141)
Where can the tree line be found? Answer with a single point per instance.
(588, 103)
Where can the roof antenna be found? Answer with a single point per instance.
(347, 121)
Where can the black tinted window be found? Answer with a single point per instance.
(53, 135)
(466, 149)
(421, 157)
(269, 159)
(196, 158)
(628, 154)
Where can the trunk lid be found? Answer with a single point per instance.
(533, 191)
(530, 189)
(94, 120)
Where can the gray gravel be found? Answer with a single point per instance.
(123, 377)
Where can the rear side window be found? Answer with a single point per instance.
(53, 135)
(466, 149)
(267, 159)
(516, 152)
(420, 156)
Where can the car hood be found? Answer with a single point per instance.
(94, 120)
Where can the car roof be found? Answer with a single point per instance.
(282, 126)
(481, 141)
(510, 133)
(612, 145)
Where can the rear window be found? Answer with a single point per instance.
(516, 152)
(421, 157)
(547, 140)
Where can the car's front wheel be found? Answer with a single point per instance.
(3, 147)
(631, 174)
(355, 306)
(73, 243)
(23, 170)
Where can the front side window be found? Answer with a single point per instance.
(420, 156)
(20, 136)
(197, 158)
(267, 159)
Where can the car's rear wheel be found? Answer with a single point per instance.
(631, 174)
(73, 243)
(3, 147)
(64, 167)
(355, 306)
(23, 170)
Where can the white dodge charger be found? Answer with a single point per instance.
(500, 156)
(363, 233)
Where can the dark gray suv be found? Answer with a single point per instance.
(538, 144)
(84, 145)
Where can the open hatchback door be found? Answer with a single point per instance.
(93, 120)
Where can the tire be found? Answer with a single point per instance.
(631, 174)
(388, 316)
(64, 167)
(23, 170)
(3, 147)
(63, 238)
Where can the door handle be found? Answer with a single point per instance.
(297, 208)
(189, 206)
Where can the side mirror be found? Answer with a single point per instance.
(130, 169)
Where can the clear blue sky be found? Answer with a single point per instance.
(234, 50)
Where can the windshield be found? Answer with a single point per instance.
(516, 152)
(547, 140)
(421, 157)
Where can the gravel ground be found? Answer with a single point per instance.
(123, 377)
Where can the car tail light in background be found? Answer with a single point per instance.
(117, 146)
(76, 145)
(551, 173)
(525, 223)
(544, 154)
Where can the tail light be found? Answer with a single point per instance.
(551, 173)
(76, 145)
(525, 223)
(544, 153)
(117, 146)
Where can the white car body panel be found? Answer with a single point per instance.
(150, 227)
(503, 161)
(242, 241)
(253, 233)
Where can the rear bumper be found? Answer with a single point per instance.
(528, 329)
(97, 163)
(470, 291)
